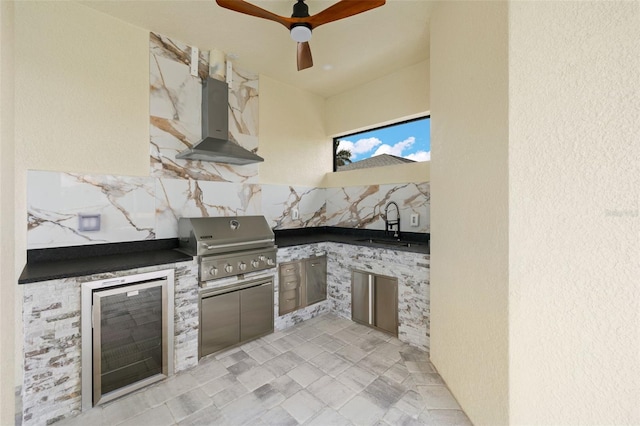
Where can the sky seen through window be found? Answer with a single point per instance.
(411, 140)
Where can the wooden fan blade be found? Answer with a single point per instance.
(253, 10)
(343, 9)
(304, 56)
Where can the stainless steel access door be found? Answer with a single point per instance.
(385, 312)
(374, 301)
(316, 279)
(361, 306)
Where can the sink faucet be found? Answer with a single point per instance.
(392, 224)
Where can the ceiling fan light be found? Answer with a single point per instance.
(301, 33)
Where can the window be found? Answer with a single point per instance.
(405, 142)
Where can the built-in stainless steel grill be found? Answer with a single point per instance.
(231, 311)
(228, 246)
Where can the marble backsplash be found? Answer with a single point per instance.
(138, 208)
(364, 206)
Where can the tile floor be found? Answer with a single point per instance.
(325, 371)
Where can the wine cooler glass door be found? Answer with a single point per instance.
(129, 338)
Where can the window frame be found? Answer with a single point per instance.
(336, 140)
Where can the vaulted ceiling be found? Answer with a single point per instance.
(346, 53)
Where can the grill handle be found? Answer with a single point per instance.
(219, 246)
(234, 287)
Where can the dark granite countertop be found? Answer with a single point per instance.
(76, 261)
(410, 241)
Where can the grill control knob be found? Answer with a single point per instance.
(255, 263)
(270, 261)
(213, 271)
(261, 258)
(242, 266)
(228, 268)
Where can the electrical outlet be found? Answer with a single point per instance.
(295, 214)
(415, 219)
(88, 222)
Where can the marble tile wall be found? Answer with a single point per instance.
(139, 208)
(175, 114)
(279, 201)
(54, 201)
(52, 341)
(364, 206)
(130, 208)
(177, 198)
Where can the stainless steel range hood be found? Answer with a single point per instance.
(215, 145)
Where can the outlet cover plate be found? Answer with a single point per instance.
(88, 222)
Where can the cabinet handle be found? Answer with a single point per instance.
(371, 300)
(289, 300)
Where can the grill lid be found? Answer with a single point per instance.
(199, 236)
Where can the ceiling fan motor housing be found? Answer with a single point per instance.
(300, 10)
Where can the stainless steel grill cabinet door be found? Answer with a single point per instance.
(235, 314)
(256, 311)
(219, 322)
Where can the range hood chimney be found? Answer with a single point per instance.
(215, 145)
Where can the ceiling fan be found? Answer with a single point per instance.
(300, 24)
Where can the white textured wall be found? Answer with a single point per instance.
(574, 166)
(7, 216)
(82, 90)
(404, 93)
(469, 211)
(400, 173)
(293, 140)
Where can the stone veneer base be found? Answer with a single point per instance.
(51, 318)
(412, 271)
(52, 341)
